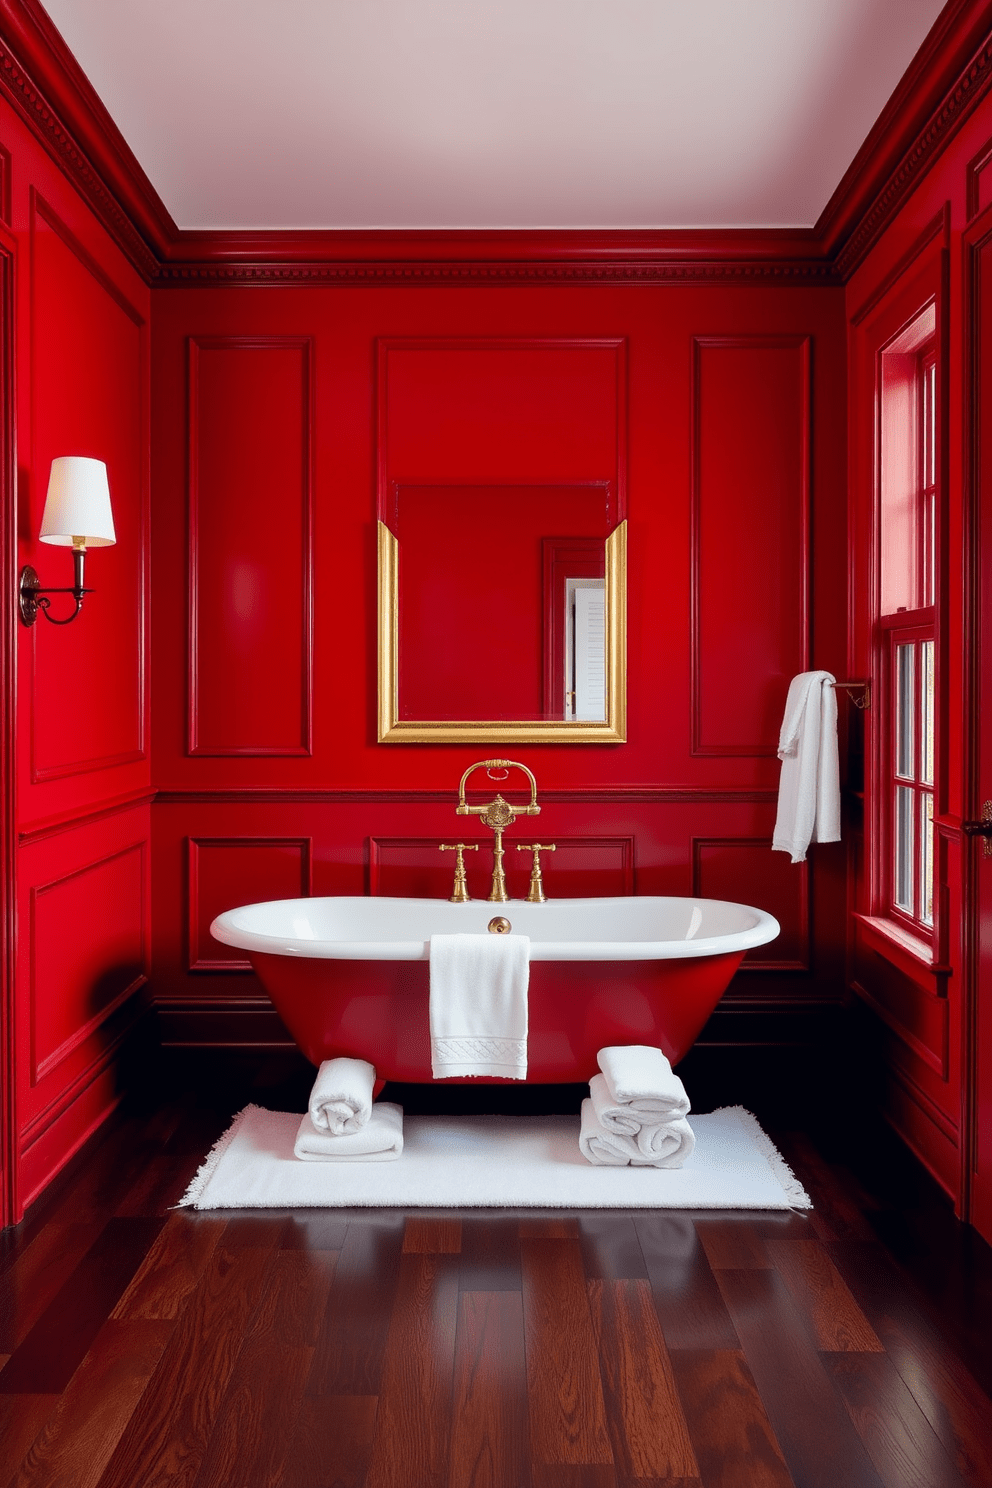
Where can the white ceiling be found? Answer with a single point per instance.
(494, 113)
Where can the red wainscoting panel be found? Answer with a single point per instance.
(494, 410)
(579, 866)
(85, 963)
(745, 869)
(250, 545)
(87, 357)
(751, 439)
(226, 872)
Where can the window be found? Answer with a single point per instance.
(908, 531)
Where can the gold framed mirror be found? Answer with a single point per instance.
(580, 649)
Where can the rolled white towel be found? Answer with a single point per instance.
(640, 1080)
(379, 1140)
(341, 1099)
(667, 1145)
(672, 1143)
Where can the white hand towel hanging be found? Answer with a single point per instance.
(478, 1005)
(809, 786)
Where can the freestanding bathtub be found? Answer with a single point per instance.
(350, 976)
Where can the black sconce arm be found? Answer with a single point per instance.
(33, 598)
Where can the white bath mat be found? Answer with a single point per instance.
(484, 1162)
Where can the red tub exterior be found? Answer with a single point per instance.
(379, 1010)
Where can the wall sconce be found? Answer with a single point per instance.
(77, 515)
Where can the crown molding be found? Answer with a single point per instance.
(42, 80)
(949, 75)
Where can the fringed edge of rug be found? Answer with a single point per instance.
(206, 1169)
(795, 1193)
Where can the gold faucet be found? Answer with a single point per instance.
(498, 815)
(460, 893)
(536, 894)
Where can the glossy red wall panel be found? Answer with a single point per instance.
(83, 770)
(501, 410)
(88, 683)
(250, 545)
(751, 446)
(226, 872)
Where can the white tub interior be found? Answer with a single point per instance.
(637, 928)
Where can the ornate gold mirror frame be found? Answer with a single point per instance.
(396, 730)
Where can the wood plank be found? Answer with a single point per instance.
(575, 1475)
(172, 1267)
(900, 1440)
(37, 1274)
(565, 1392)
(76, 1442)
(732, 1243)
(610, 1247)
(53, 1349)
(349, 1352)
(413, 1422)
(839, 1325)
(687, 1299)
(835, 1214)
(156, 1189)
(432, 1235)
(814, 1431)
(22, 1417)
(331, 1443)
(734, 1443)
(490, 1255)
(954, 1404)
(648, 1430)
(549, 1227)
(314, 1229)
(489, 1438)
(167, 1437)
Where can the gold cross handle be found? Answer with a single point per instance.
(536, 894)
(460, 893)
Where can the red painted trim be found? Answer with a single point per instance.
(45, 84)
(331, 795)
(5, 186)
(768, 963)
(305, 344)
(977, 237)
(193, 845)
(972, 178)
(699, 344)
(9, 1206)
(41, 1067)
(376, 845)
(75, 816)
(950, 73)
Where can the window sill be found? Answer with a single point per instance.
(910, 953)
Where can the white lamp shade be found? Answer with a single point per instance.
(78, 504)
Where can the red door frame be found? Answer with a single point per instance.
(8, 638)
(976, 1184)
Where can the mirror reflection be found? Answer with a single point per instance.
(501, 612)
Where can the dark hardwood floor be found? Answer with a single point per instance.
(143, 1346)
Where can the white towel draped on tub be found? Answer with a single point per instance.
(379, 1140)
(341, 1099)
(809, 786)
(478, 1009)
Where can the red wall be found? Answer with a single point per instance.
(725, 438)
(83, 905)
(920, 1000)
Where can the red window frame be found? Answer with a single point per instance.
(909, 652)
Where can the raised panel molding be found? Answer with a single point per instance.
(749, 616)
(747, 870)
(89, 394)
(85, 964)
(225, 872)
(250, 457)
(579, 866)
